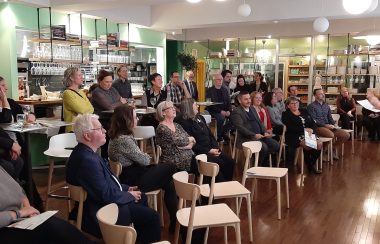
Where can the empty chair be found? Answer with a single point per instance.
(223, 190)
(196, 217)
(78, 194)
(254, 147)
(60, 147)
(112, 233)
(142, 133)
(282, 147)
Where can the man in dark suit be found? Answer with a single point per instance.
(191, 85)
(250, 128)
(221, 112)
(87, 169)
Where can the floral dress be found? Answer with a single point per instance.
(170, 143)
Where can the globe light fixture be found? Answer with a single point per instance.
(359, 7)
(244, 9)
(321, 24)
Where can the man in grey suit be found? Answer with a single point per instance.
(250, 128)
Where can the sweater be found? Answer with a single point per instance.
(75, 103)
(11, 197)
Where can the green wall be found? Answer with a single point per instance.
(172, 49)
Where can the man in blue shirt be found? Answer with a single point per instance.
(321, 114)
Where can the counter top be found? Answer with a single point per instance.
(41, 102)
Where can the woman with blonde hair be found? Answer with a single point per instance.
(75, 100)
(175, 143)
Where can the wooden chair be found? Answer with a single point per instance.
(223, 190)
(196, 217)
(336, 118)
(78, 194)
(60, 147)
(142, 133)
(299, 153)
(254, 147)
(117, 168)
(112, 233)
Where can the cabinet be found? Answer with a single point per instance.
(298, 75)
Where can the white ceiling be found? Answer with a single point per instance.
(180, 17)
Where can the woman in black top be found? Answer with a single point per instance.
(240, 84)
(258, 84)
(296, 122)
(195, 125)
(151, 98)
(371, 121)
(346, 108)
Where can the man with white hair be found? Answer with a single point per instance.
(191, 85)
(87, 169)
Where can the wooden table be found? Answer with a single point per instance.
(40, 125)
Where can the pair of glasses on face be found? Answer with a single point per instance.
(100, 128)
(168, 108)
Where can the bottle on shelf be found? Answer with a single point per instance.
(21, 91)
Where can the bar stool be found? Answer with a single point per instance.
(60, 147)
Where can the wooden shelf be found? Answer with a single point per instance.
(305, 75)
(63, 42)
(332, 84)
(297, 84)
(298, 66)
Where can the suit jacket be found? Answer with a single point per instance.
(87, 169)
(201, 132)
(194, 92)
(225, 99)
(246, 126)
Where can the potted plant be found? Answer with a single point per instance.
(187, 61)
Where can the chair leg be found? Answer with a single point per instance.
(331, 152)
(287, 190)
(352, 142)
(161, 209)
(249, 217)
(278, 197)
(321, 159)
(237, 231)
(206, 235)
(50, 178)
(225, 235)
(270, 160)
(302, 165)
(154, 150)
(176, 234)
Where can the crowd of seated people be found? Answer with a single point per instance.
(181, 132)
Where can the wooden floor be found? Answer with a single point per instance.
(341, 205)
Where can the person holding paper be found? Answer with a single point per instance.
(371, 121)
(298, 122)
(373, 99)
(15, 205)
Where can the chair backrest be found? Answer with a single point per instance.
(116, 167)
(249, 148)
(62, 141)
(144, 132)
(159, 152)
(112, 233)
(336, 118)
(207, 118)
(188, 192)
(78, 194)
(207, 169)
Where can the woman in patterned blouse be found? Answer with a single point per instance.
(137, 170)
(175, 143)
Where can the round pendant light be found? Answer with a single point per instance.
(244, 10)
(321, 24)
(359, 7)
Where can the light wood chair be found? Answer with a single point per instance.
(112, 233)
(142, 133)
(329, 141)
(351, 131)
(60, 147)
(299, 154)
(223, 190)
(196, 217)
(153, 196)
(78, 194)
(254, 147)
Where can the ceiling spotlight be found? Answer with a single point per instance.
(270, 36)
(193, 1)
(275, 21)
(244, 10)
(173, 33)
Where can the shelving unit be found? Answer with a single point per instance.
(298, 75)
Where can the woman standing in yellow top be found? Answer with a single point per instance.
(75, 100)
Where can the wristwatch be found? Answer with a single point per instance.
(17, 212)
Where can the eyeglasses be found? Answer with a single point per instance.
(100, 128)
(295, 103)
(168, 108)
